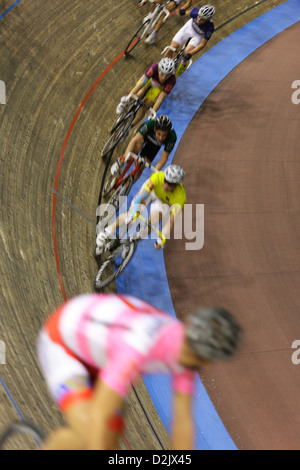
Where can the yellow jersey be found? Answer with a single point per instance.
(176, 198)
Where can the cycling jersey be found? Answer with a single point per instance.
(206, 29)
(114, 337)
(148, 132)
(155, 183)
(152, 73)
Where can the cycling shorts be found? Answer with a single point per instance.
(151, 93)
(150, 151)
(73, 381)
(186, 32)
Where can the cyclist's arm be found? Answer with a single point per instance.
(185, 6)
(183, 425)
(136, 144)
(163, 160)
(198, 48)
(139, 86)
(142, 197)
(105, 405)
(159, 100)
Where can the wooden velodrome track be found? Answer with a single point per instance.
(52, 55)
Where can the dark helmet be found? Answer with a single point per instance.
(213, 333)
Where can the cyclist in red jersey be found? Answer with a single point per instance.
(154, 86)
(96, 345)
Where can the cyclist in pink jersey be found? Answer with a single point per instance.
(95, 346)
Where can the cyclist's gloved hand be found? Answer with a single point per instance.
(159, 244)
(115, 168)
(152, 115)
(182, 12)
(187, 56)
(141, 161)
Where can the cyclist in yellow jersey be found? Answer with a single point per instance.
(165, 191)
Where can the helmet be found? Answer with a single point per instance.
(166, 66)
(213, 333)
(174, 174)
(206, 12)
(163, 123)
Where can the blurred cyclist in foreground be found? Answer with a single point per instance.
(95, 346)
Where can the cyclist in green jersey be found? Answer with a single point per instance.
(149, 139)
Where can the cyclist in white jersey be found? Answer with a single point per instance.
(171, 6)
(198, 29)
(92, 348)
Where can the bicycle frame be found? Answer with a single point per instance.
(147, 25)
(179, 54)
(139, 103)
(152, 227)
(156, 15)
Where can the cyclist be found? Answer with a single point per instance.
(165, 191)
(150, 137)
(171, 6)
(154, 86)
(95, 346)
(198, 29)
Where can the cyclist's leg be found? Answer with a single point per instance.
(161, 21)
(69, 385)
(159, 213)
(170, 7)
(179, 39)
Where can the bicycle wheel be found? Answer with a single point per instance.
(111, 208)
(119, 132)
(137, 37)
(26, 428)
(115, 263)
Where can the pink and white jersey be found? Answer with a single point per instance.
(121, 337)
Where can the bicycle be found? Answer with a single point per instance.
(122, 125)
(119, 185)
(148, 25)
(179, 56)
(26, 428)
(121, 250)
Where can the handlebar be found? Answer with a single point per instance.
(136, 158)
(142, 103)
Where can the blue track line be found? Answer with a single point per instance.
(11, 398)
(9, 9)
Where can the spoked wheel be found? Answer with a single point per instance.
(115, 263)
(137, 37)
(27, 429)
(119, 131)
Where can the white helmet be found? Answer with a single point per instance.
(174, 174)
(166, 66)
(206, 12)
